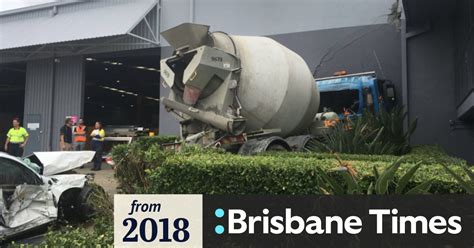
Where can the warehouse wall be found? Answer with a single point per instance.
(39, 100)
(269, 17)
(54, 89)
(464, 58)
(354, 49)
(69, 89)
(431, 89)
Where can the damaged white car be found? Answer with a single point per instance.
(33, 193)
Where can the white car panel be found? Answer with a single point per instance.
(57, 162)
(32, 206)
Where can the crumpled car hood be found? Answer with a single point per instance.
(57, 162)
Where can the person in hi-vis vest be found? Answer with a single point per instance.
(98, 136)
(80, 137)
(17, 137)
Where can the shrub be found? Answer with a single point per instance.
(426, 154)
(131, 161)
(231, 174)
(100, 235)
(433, 154)
(101, 203)
(288, 173)
(145, 141)
(146, 168)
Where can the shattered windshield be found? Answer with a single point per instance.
(14, 173)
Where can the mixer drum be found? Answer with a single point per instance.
(210, 74)
(276, 87)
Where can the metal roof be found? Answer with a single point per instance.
(77, 20)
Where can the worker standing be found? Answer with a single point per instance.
(98, 136)
(17, 137)
(66, 135)
(80, 136)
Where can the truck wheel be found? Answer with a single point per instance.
(300, 143)
(255, 146)
(276, 147)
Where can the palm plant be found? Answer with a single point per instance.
(368, 134)
(468, 185)
(394, 134)
(381, 184)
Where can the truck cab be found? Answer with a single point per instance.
(353, 94)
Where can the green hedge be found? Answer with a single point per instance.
(282, 173)
(143, 167)
(145, 141)
(426, 154)
(100, 234)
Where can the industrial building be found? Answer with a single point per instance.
(100, 59)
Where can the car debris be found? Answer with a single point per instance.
(33, 193)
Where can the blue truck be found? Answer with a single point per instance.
(352, 94)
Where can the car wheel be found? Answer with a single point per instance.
(84, 204)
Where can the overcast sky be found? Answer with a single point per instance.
(14, 4)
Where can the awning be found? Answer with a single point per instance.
(78, 21)
(79, 24)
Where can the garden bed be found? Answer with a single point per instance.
(201, 171)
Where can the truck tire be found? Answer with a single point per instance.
(255, 146)
(276, 147)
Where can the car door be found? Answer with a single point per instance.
(14, 173)
(27, 202)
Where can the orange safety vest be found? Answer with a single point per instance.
(80, 134)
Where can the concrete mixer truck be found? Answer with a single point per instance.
(246, 94)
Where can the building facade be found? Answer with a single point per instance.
(437, 73)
